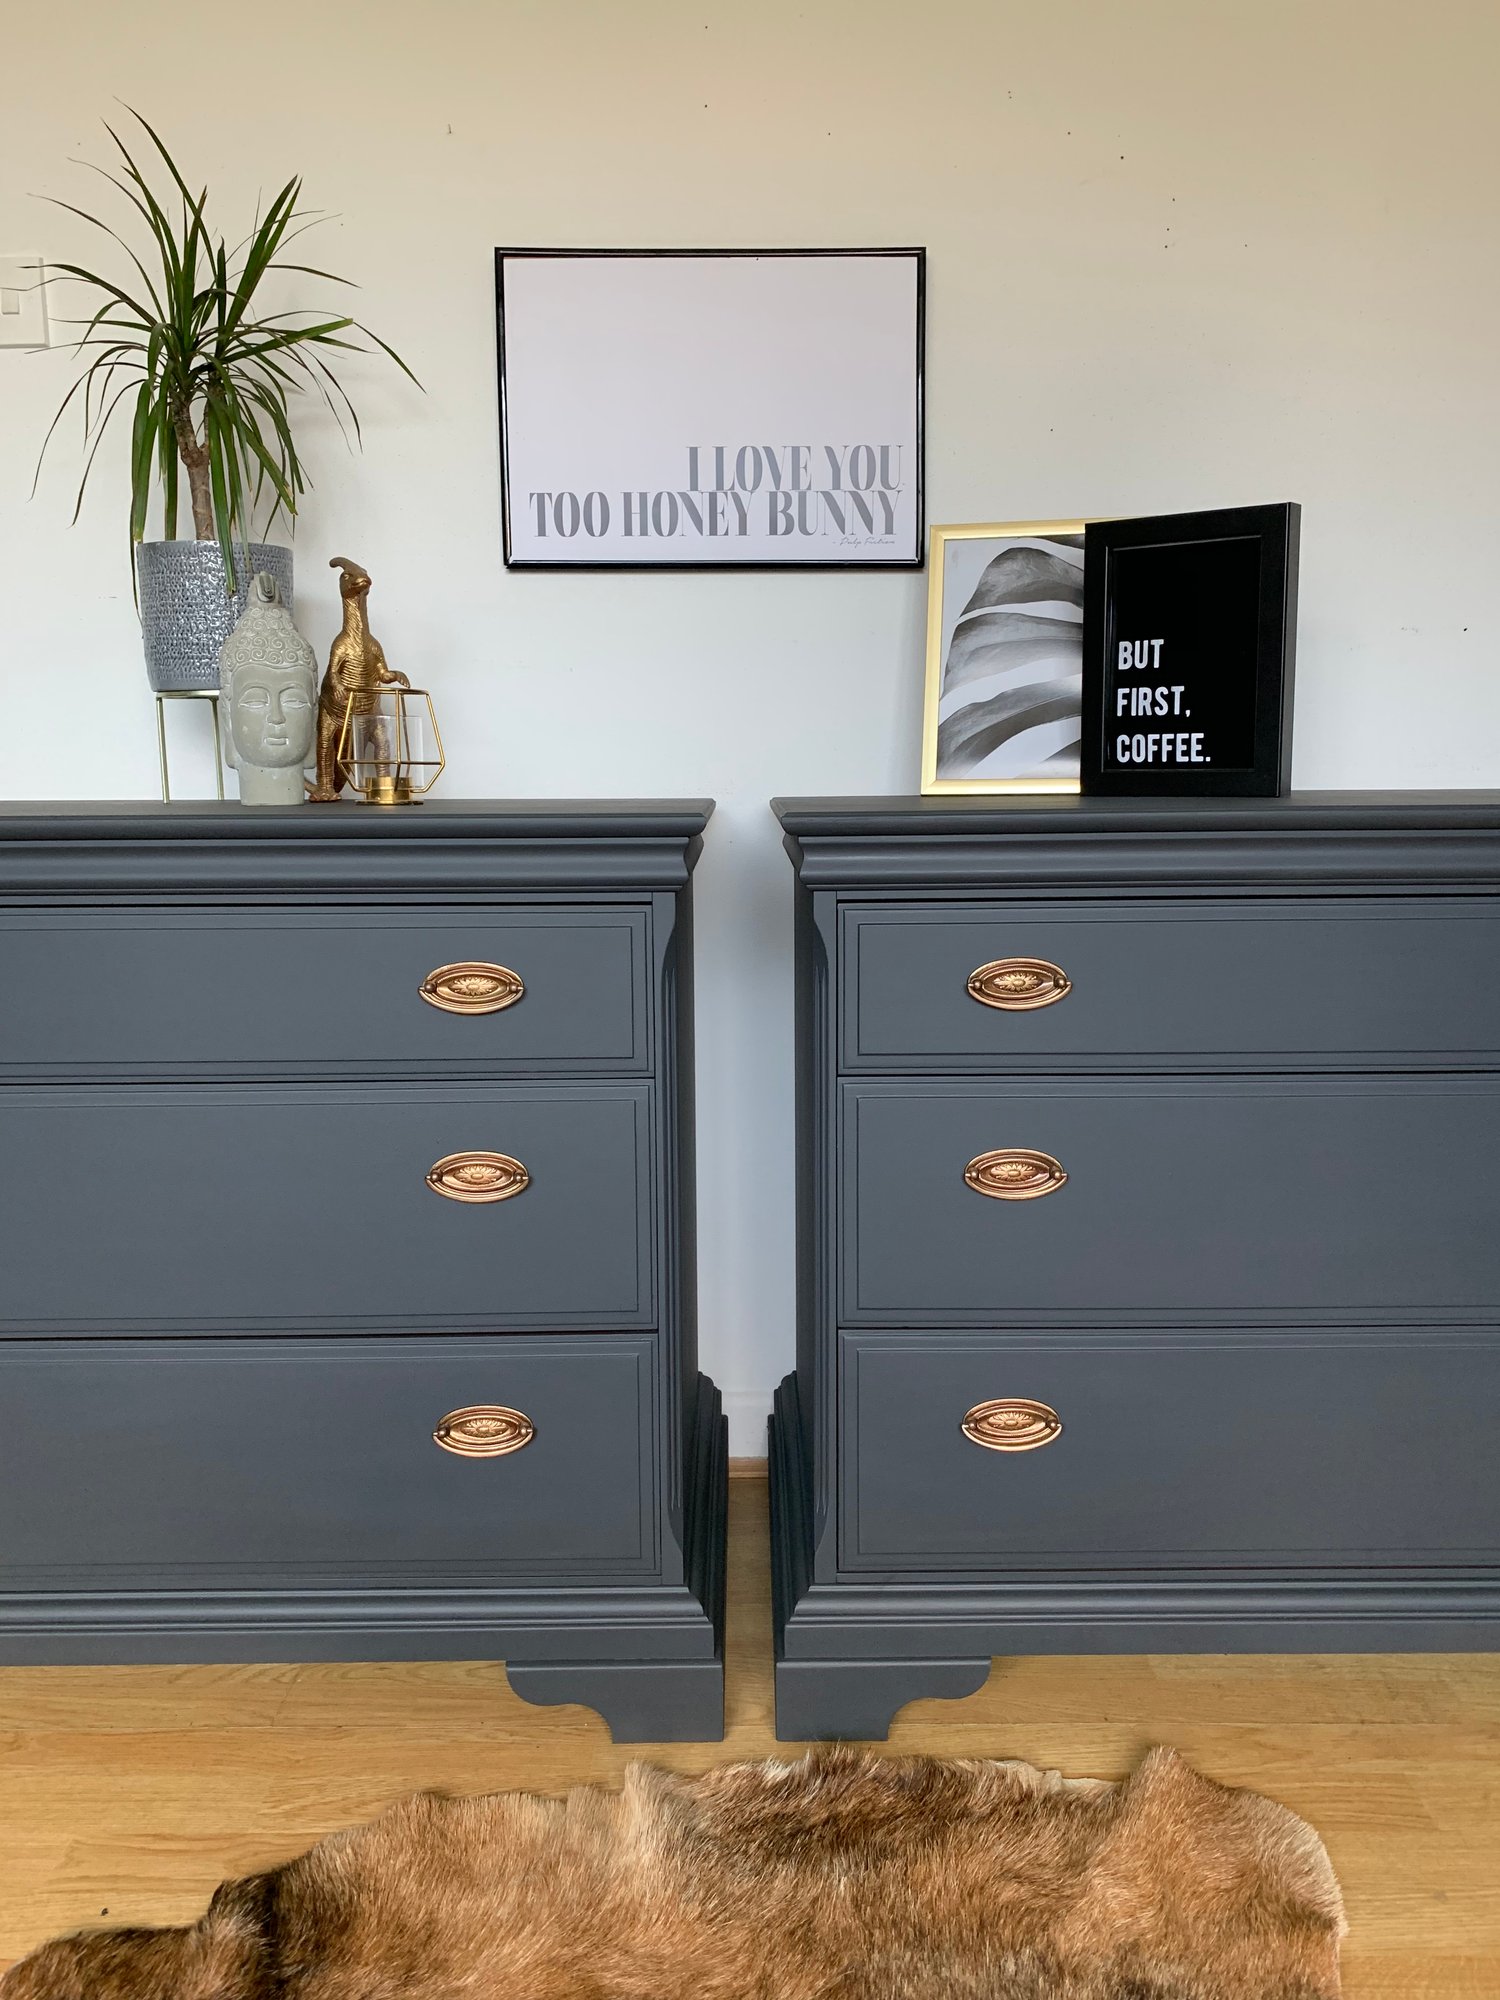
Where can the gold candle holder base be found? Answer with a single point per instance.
(390, 792)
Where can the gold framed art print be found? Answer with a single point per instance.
(1004, 701)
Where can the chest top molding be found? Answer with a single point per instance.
(139, 848)
(1305, 841)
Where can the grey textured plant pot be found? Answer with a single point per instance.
(186, 612)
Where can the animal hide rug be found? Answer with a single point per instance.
(842, 1876)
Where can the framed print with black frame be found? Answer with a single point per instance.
(1003, 704)
(1189, 650)
(711, 409)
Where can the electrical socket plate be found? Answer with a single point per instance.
(23, 302)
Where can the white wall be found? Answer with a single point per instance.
(1182, 254)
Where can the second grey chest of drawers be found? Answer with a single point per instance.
(1149, 1276)
(346, 1278)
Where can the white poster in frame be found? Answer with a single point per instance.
(711, 409)
(1004, 690)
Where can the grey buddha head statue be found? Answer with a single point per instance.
(268, 682)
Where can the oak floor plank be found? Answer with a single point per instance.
(133, 1791)
(1419, 1976)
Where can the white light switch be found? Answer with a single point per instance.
(23, 302)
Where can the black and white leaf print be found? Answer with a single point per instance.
(994, 639)
(1032, 573)
(1010, 698)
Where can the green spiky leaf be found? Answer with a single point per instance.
(211, 379)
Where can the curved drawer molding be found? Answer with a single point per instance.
(472, 986)
(1017, 985)
(484, 1430)
(1012, 1423)
(1015, 1173)
(478, 1177)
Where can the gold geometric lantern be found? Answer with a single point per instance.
(390, 750)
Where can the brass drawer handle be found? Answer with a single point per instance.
(472, 987)
(478, 1177)
(1016, 985)
(1015, 1173)
(484, 1430)
(1012, 1423)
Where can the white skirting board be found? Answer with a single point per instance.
(747, 1411)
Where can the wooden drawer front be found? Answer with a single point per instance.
(317, 992)
(180, 1463)
(1198, 1450)
(1338, 982)
(1185, 1195)
(191, 1206)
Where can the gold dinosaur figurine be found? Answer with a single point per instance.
(356, 666)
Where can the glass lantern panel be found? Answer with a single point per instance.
(374, 744)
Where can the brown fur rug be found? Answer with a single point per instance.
(843, 1876)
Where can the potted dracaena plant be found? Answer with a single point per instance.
(186, 346)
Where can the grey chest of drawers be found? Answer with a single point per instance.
(1149, 1275)
(346, 1275)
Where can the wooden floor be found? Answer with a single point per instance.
(126, 1793)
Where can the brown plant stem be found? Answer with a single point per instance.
(194, 457)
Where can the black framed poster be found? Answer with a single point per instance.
(711, 409)
(1189, 647)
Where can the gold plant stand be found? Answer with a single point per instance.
(211, 696)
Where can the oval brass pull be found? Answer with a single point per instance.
(1018, 984)
(1015, 1173)
(478, 1177)
(484, 1430)
(472, 987)
(1012, 1423)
